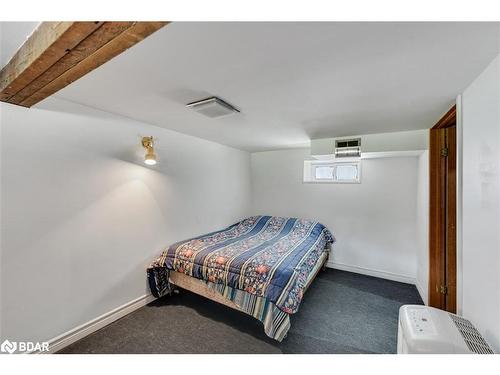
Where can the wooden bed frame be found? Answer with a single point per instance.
(201, 288)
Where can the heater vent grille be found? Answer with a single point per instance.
(471, 336)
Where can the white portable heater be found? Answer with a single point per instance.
(424, 329)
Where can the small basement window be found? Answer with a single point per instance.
(332, 172)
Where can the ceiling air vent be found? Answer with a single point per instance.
(212, 107)
(348, 148)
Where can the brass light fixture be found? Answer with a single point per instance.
(150, 157)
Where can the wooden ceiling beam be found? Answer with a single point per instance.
(43, 48)
(59, 53)
(89, 45)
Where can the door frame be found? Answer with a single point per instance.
(442, 213)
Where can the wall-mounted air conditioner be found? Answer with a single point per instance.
(424, 329)
(348, 148)
(408, 143)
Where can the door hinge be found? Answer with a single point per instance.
(443, 289)
(444, 151)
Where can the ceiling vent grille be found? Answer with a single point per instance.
(213, 107)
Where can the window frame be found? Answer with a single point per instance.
(311, 165)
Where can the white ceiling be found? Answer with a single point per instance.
(12, 36)
(292, 81)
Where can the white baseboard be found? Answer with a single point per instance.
(61, 341)
(371, 272)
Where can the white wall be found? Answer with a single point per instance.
(375, 222)
(481, 203)
(82, 216)
(423, 226)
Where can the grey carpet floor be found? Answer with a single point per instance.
(342, 312)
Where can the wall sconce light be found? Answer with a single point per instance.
(150, 157)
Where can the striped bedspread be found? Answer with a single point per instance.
(265, 256)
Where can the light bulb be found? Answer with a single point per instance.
(150, 158)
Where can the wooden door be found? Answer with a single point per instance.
(442, 215)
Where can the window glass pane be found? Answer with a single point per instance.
(323, 173)
(346, 172)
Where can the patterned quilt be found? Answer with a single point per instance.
(266, 256)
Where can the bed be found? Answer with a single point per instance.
(261, 266)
